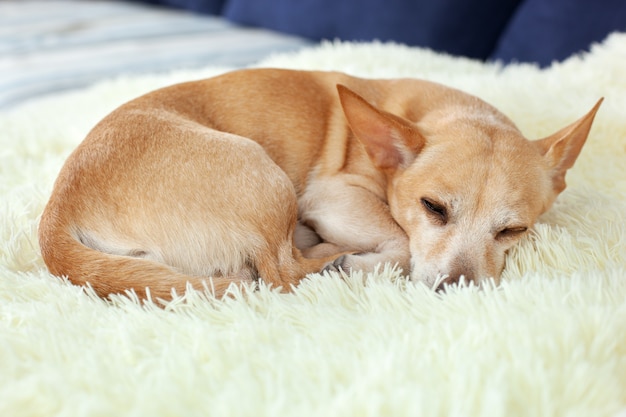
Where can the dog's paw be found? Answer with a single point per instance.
(359, 261)
(345, 264)
(338, 265)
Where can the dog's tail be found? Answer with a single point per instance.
(65, 255)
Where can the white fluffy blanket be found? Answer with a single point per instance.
(550, 341)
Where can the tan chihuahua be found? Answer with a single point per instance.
(275, 174)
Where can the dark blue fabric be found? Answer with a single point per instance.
(544, 31)
(463, 27)
(201, 6)
(539, 31)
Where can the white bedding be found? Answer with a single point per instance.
(50, 45)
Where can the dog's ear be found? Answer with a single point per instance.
(391, 141)
(562, 148)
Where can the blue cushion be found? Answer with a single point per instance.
(463, 27)
(202, 6)
(538, 31)
(543, 31)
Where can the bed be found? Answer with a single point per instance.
(549, 341)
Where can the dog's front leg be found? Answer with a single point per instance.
(351, 218)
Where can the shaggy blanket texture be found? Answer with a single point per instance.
(549, 341)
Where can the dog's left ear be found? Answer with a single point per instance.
(562, 148)
(390, 141)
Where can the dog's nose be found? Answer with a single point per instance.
(462, 267)
(455, 279)
(447, 282)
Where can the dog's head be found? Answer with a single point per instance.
(463, 182)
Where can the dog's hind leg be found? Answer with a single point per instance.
(280, 262)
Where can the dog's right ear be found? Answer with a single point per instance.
(390, 141)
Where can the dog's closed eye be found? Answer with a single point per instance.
(511, 232)
(436, 210)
